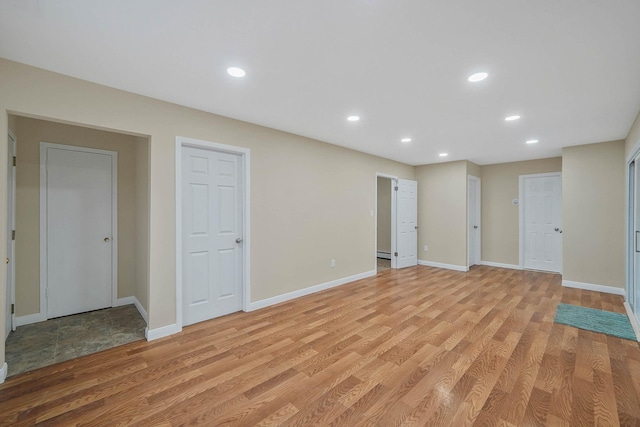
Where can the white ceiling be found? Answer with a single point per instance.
(570, 68)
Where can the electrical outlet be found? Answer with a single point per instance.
(333, 263)
(426, 248)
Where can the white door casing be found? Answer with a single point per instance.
(212, 227)
(11, 225)
(473, 221)
(407, 223)
(634, 293)
(541, 222)
(78, 222)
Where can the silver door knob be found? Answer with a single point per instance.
(475, 226)
(106, 239)
(238, 240)
(557, 229)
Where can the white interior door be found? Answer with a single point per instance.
(407, 223)
(11, 224)
(78, 191)
(212, 234)
(473, 220)
(634, 292)
(542, 222)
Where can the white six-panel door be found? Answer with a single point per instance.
(77, 198)
(473, 221)
(407, 223)
(212, 234)
(542, 222)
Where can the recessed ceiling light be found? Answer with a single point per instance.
(236, 72)
(353, 118)
(511, 118)
(478, 77)
(443, 154)
(532, 141)
(405, 140)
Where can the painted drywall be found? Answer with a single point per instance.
(500, 217)
(384, 215)
(442, 212)
(310, 201)
(32, 132)
(633, 137)
(142, 221)
(593, 210)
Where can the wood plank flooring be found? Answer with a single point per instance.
(419, 346)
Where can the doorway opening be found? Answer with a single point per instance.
(80, 277)
(474, 230)
(384, 223)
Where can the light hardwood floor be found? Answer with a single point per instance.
(419, 346)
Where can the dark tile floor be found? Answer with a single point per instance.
(56, 340)
(383, 264)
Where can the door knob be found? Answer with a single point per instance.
(238, 240)
(106, 239)
(557, 229)
(475, 226)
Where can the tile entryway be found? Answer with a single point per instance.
(41, 344)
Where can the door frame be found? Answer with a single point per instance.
(44, 315)
(478, 213)
(245, 159)
(394, 182)
(11, 204)
(631, 205)
(521, 179)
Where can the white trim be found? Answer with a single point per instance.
(394, 183)
(500, 265)
(593, 287)
(478, 248)
(43, 218)
(3, 372)
(633, 320)
(141, 310)
(521, 179)
(124, 301)
(245, 159)
(161, 332)
(29, 319)
(455, 267)
(11, 282)
(385, 255)
(307, 291)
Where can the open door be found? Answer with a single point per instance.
(406, 223)
(11, 191)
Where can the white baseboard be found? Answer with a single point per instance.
(594, 287)
(3, 372)
(256, 305)
(633, 320)
(123, 301)
(29, 319)
(441, 265)
(141, 309)
(501, 265)
(164, 331)
(385, 255)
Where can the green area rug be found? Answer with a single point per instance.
(604, 322)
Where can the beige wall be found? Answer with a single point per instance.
(32, 132)
(442, 212)
(142, 221)
(633, 137)
(310, 201)
(384, 215)
(500, 218)
(593, 205)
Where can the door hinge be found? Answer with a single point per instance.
(13, 234)
(395, 254)
(14, 160)
(13, 308)
(395, 188)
